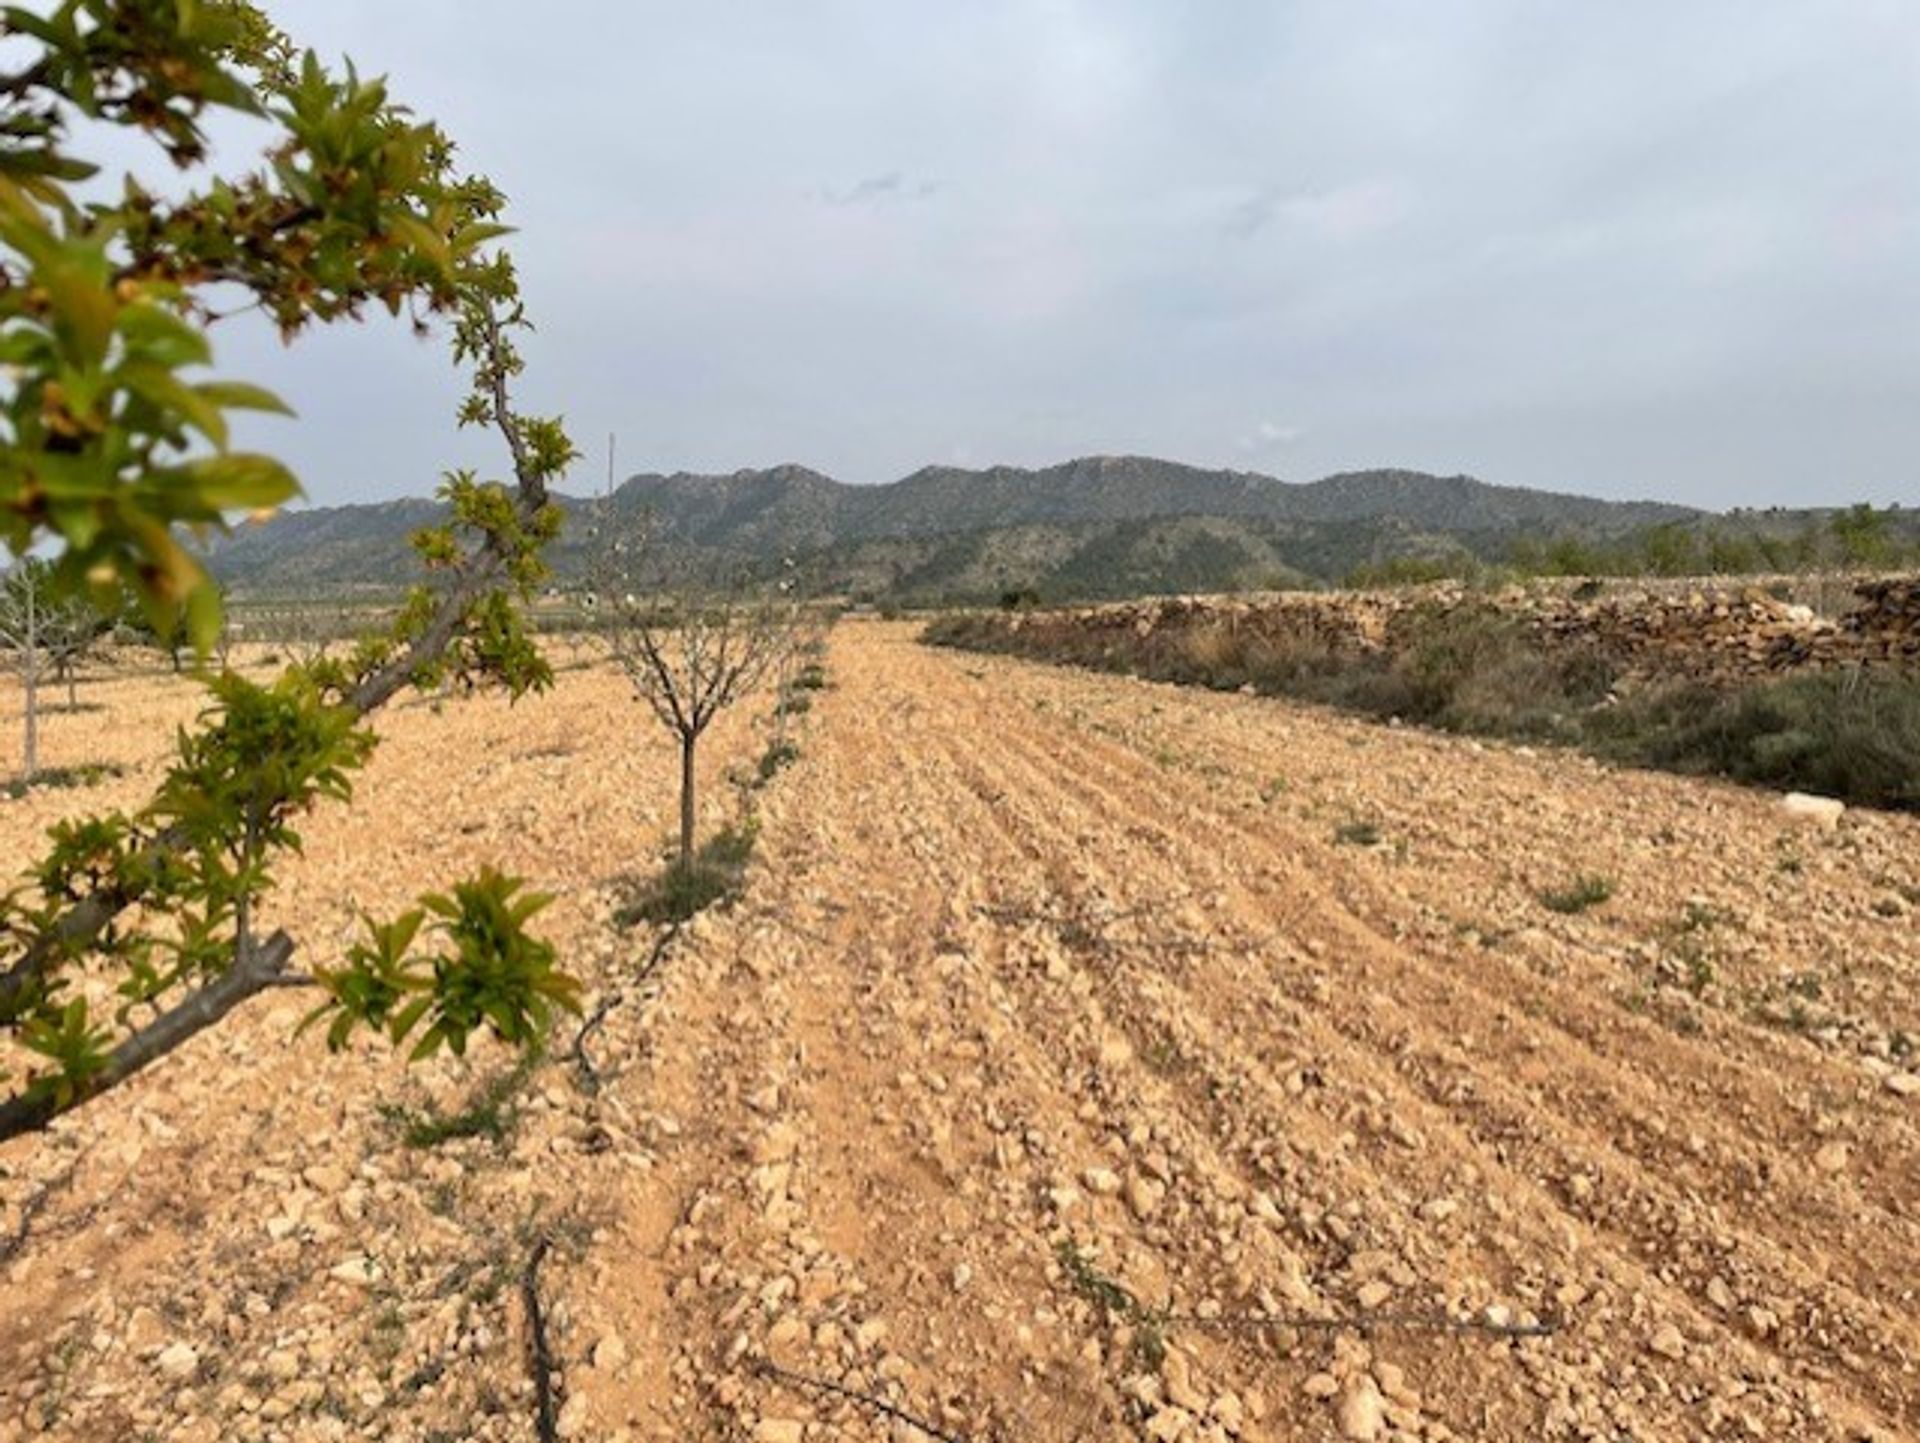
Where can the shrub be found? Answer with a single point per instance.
(775, 757)
(1849, 734)
(1580, 895)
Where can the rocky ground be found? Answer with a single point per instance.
(1081, 1049)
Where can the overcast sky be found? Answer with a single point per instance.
(1648, 248)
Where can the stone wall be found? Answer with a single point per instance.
(1709, 631)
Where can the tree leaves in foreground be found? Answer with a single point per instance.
(139, 929)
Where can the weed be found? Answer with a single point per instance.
(1807, 985)
(1162, 1055)
(1699, 917)
(776, 756)
(1357, 834)
(811, 678)
(87, 774)
(1117, 1303)
(489, 1113)
(1699, 973)
(1582, 894)
(794, 704)
(1276, 788)
(680, 891)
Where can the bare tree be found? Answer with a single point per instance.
(690, 652)
(40, 632)
(22, 600)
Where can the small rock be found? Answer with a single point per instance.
(1823, 812)
(1101, 1182)
(177, 1360)
(1903, 1084)
(362, 1272)
(572, 1422)
(610, 1352)
(1832, 1157)
(1169, 1425)
(1144, 1196)
(778, 1430)
(1668, 1341)
(1361, 1412)
(1321, 1385)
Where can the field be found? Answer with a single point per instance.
(1079, 1050)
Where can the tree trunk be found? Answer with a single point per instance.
(30, 683)
(686, 801)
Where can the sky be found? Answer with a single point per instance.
(1640, 249)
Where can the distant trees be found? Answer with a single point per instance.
(1860, 537)
(42, 630)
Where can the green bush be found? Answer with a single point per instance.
(1848, 734)
(1580, 895)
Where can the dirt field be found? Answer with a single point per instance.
(1043, 982)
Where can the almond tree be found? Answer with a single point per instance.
(690, 652)
(137, 930)
(23, 604)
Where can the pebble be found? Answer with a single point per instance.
(1362, 1414)
(1101, 1182)
(177, 1360)
(1668, 1341)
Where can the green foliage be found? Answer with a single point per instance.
(1848, 734)
(1852, 734)
(1580, 895)
(111, 440)
(489, 1113)
(1116, 1303)
(777, 756)
(1357, 834)
(490, 973)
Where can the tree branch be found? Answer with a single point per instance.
(257, 970)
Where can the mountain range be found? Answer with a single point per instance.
(1097, 526)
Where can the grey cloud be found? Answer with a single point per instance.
(894, 185)
(1640, 248)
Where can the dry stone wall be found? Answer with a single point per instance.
(1707, 631)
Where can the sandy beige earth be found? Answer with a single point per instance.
(1040, 978)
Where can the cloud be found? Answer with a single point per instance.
(892, 185)
(1268, 436)
(1640, 248)
(1342, 213)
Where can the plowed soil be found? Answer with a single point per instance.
(1085, 1059)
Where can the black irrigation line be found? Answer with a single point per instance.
(31, 1209)
(872, 1403)
(1544, 1327)
(539, 1350)
(590, 1074)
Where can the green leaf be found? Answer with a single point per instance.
(242, 480)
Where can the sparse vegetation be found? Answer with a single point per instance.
(1582, 894)
(683, 889)
(1848, 733)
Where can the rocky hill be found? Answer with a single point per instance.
(1098, 526)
